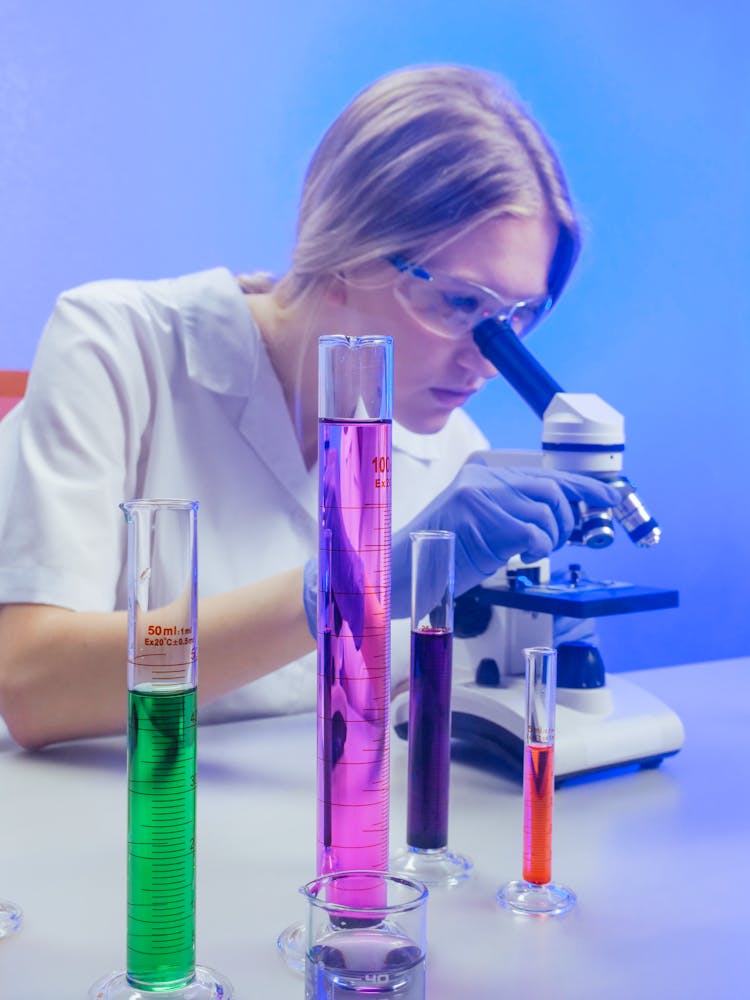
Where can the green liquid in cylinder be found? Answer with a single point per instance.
(161, 838)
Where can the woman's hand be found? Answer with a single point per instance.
(497, 513)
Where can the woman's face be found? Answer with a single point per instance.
(434, 374)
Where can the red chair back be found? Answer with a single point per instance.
(12, 388)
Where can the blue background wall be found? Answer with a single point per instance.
(159, 137)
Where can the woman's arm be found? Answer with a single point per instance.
(63, 673)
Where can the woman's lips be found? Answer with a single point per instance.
(452, 397)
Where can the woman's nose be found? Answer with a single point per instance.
(471, 358)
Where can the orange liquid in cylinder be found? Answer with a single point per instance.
(538, 791)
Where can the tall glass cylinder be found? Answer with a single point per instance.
(354, 588)
(354, 611)
(162, 706)
(426, 856)
(535, 893)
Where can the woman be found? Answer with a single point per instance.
(205, 387)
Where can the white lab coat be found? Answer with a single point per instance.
(165, 389)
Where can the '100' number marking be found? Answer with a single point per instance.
(381, 466)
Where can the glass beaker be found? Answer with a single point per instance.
(535, 893)
(366, 936)
(162, 705)
(427, 856)
(354, 610)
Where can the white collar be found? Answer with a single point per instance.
(423, 446)
(218, 312)
(221, 352)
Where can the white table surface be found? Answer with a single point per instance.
(658, 858)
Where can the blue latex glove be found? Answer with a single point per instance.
(497, 513)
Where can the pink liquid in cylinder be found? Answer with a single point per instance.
(354, 645)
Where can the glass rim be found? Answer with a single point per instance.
(435, 533)
(165, 503)
(310, 889)
(368, 340)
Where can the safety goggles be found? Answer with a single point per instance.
(451, 307)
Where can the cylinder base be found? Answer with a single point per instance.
(206, 985)
(548, 900)
(434, 868)
(292, 945)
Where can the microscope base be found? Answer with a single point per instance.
(596, 729)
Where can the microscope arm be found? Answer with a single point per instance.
(581, 433)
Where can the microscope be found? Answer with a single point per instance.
(603, 720)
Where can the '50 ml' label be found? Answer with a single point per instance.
(168, 635)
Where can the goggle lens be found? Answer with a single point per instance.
(451, 307)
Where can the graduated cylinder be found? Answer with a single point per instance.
(354, 577)
(432, 583)
(162, 677)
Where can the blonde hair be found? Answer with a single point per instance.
(420, 152)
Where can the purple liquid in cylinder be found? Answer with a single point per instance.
(429, 738)
(354, 645)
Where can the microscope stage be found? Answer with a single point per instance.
(591, 599)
